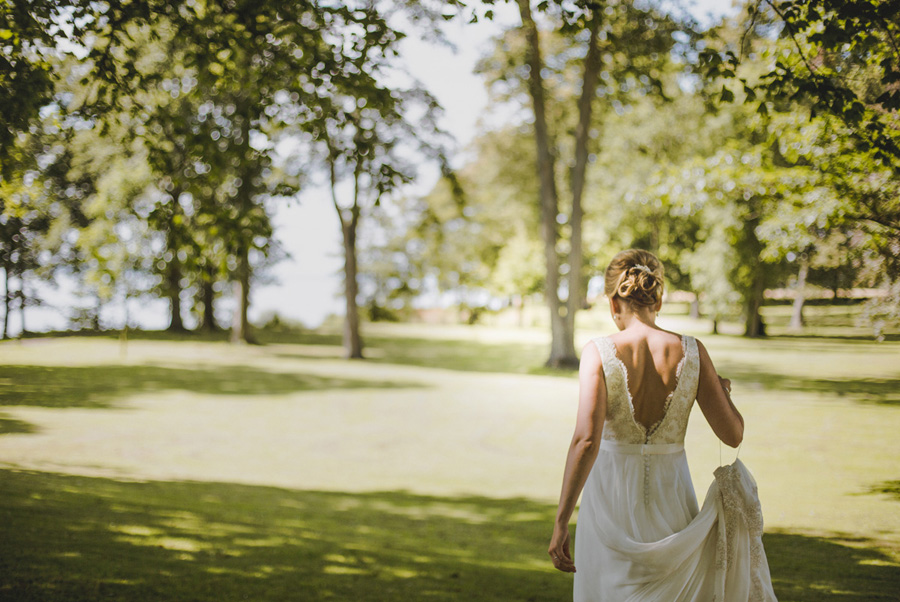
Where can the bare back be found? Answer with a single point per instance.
(651, 358)
(659, 409)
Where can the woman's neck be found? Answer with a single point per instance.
(642, 318)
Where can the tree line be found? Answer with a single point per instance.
(143, 146)
(146, 142)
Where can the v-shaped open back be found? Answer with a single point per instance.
(621, 421)
(648, 430)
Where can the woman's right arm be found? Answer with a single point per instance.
(582, 452)
(715, 403)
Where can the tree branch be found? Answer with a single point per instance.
(792, 33)
(332, 173)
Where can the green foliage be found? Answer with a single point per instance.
(187, 102)
(482, 241)
(837, 63)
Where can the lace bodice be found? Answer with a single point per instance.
(620, 424)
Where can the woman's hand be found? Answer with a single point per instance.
(559, 549)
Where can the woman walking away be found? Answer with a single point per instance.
(641, 535)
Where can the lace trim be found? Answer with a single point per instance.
(645, 431)
(741, 511)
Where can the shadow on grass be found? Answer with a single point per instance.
(467, 356)
(99, 386)
(882, 391)
(12, 425)
(889, 488)
(806, 568)
(735, 356)
(74, 538)
(143, 335)
(462, 355)
(77, 538)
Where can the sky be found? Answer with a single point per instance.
(307, 285)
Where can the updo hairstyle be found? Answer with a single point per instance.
(636, 277)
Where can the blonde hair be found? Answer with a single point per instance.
(636, 277)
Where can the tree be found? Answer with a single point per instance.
(471, 246)
(619, 38)
(363, 130)
(236, 61)
(841, 60)
(23, 224)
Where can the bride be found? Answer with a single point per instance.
(641, 535)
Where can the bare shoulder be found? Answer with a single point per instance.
(706, 364)
(670, 335)
(590, 355)
(701, 350)
(664, 341)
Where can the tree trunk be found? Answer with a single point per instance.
(240, 327)
(753, 294)
(173, 269)
(349, 220)
(715, 326)
(562, 347)
(95, 318)
(22, 303)
(352, 338)
(576, 287)
(176, 324)
(695, 307)
(800, 298)
(5, 303)
(754, 326)
(207, 298)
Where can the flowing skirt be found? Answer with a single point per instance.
(641, 536)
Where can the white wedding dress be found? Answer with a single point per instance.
(640, 535)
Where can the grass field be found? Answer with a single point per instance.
(195, 470)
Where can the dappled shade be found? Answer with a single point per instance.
(71, 538)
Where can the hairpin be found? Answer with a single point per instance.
(643, 268)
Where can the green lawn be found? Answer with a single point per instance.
(195, 470)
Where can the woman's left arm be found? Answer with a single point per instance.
(582, 452)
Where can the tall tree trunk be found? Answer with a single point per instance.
(23, 302)
(579, 172)
(753, 295)
(176, 324)
(173, 269)
(352, 338)
(240, 326)
(349, 220)
(5, 303)
(695, 307)
(800, 296)
(173, 277)
(207, 299)
(753, 325)
(95, 317)
(562, 348)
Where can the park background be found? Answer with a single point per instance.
(327, 181)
